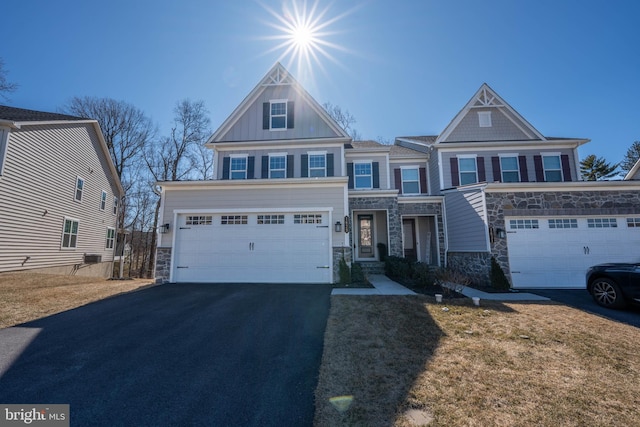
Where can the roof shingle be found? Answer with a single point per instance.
(23, 115)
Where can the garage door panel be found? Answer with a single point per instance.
(556, 252)
(264, 248)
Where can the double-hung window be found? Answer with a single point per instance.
(103, 200)
(552, 168)
(238, 168)
(410, 181)
(317, 165)
(468, 170)
(111, 238)
(79, 189)
(277, 166)
(363, 175)
(278, 117)
(70, 234)
(509, 168)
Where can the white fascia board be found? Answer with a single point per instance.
(9, 124)
(511, 145)
(277, 144)
(373, 193)
(497, 187)
(420, 199)
(633, 171)
(254, 210)
(240, 184)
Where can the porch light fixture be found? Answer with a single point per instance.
(501, 233)
(338, 227)
(164, 228)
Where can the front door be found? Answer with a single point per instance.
(365, 236)
(409, 239)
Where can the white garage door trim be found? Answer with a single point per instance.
(326, 258)
(557, 254)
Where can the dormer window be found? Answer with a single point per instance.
(277, 114)
(484, 119)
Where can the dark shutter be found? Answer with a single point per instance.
(455, 178)
(375, 170)
(350, 174)
(266, 115)
(524, 173)
(566, 169)
(537, 163)
(265, 167)
(329, 164)
(397, 174)
(290, 166)
(495, 165)
(226, 164)
(423, 180)
(290, 115)
(482, 176)
(251, 161)
(304, 165)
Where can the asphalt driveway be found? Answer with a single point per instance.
(581, 299)
(177, 355)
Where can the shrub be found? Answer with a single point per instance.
(423, 274)
(398, 268)
(357, 275)
(498, 278)
(344, 272)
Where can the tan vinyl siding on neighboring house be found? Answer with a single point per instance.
(466, 220)
(308, 124)
(264, 199)
(37, 193)
(502, 129)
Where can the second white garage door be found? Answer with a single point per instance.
(548, 252)
(291, 247)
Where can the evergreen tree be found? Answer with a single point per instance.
(632, 156)
(594, 168)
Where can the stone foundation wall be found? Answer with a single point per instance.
(558, 203)
(475, 265)
(390, 204)
(163, 265)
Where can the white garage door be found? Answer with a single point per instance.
(548, 252)
(292, 247)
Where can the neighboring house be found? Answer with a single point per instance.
(59, 194)
(292, 195)
(514, 194)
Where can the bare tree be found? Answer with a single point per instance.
(177, 157)
(5, 85)
(344, 118)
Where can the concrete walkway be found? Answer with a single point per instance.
(382, 285)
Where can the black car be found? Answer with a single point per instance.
(614, 285)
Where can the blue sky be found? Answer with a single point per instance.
(404, 67)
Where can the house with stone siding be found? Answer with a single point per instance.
(293, 195)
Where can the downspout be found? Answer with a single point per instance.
(446, 234)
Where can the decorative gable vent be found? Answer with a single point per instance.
(278, 77)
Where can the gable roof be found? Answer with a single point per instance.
(23, 115)
(15, 117)
(277, 76)
(487, 99)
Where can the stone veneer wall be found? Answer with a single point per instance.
(475, 265)
(434, 209)
(559, 203)
(338, 253)
(163, 265)
(390, 204)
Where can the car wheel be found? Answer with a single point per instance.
(607, 293)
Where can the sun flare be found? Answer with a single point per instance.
(304, 31)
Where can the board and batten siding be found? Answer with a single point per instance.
(37, 191)
(488, 165)
(383, 171)
(264, 199)
(466, 220)
(308, 123)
